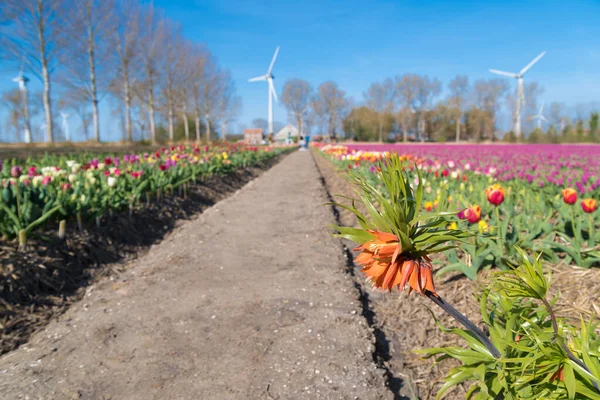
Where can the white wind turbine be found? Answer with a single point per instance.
(540, 117)
(22, 81)
(520, 94)
(269, 78)
(65, 125)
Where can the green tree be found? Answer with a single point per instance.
(552, 135)
(579, 131)
(537, 136)
(510, 137)
(594, 126)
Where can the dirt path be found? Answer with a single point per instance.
(248, 301)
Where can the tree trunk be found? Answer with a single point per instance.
(197, 121)
(47, 101)
(458, 129)
(207, 129)
(46, 79)
(380, 131)
(92, 65)
(186, 125)
(152, 123)
(171, 111)
(171, 124)
(128, 126)
(405, 134)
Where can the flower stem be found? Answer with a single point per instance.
(591, 239)
(501, 234)
(464, 321)
(18, 196)
(575, 233)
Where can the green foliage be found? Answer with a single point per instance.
(594, 119)
(537, 136)
(398, 210)
(510, 137)
(542, 357)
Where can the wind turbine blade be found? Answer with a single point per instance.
(542, 108)
(532, 63)
(272, 90)
(543, 118)
(510, 74)
(273, 60)
(258, 78)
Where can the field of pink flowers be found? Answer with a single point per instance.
(541, 198)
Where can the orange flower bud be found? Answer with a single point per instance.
(428, 206)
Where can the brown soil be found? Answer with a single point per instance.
(404, 323)
(41, 282)
(251, 300)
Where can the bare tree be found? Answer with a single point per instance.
(172, 62)
(487, 94)
(87, 36)
(459, 88)
(127, 42)
(199, 58)
(229, 104)
(182, 92)
(558, 116)
(29, 38)
(12, 102)
(152, 33)
(296, 97)
(209, 94)
(532, 91)
(380, 97)
(330, 105)
(426, 91)
(406, 92)
(76, 100)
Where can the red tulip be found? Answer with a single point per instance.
(495, 194)
(471, 214)
(569, 195)
(589, 205)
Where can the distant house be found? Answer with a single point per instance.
(253, 136)
(287, 134)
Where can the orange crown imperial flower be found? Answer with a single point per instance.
(589, 205)
(495, 194)
(569, 195)
(396, 238)
(384, 265)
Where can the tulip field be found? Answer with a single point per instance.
(85, 187)
(540, 198)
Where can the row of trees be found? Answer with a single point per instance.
(87, 50)
(409, 107)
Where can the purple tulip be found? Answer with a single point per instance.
(16, 171)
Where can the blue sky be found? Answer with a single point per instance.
(357, 42)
